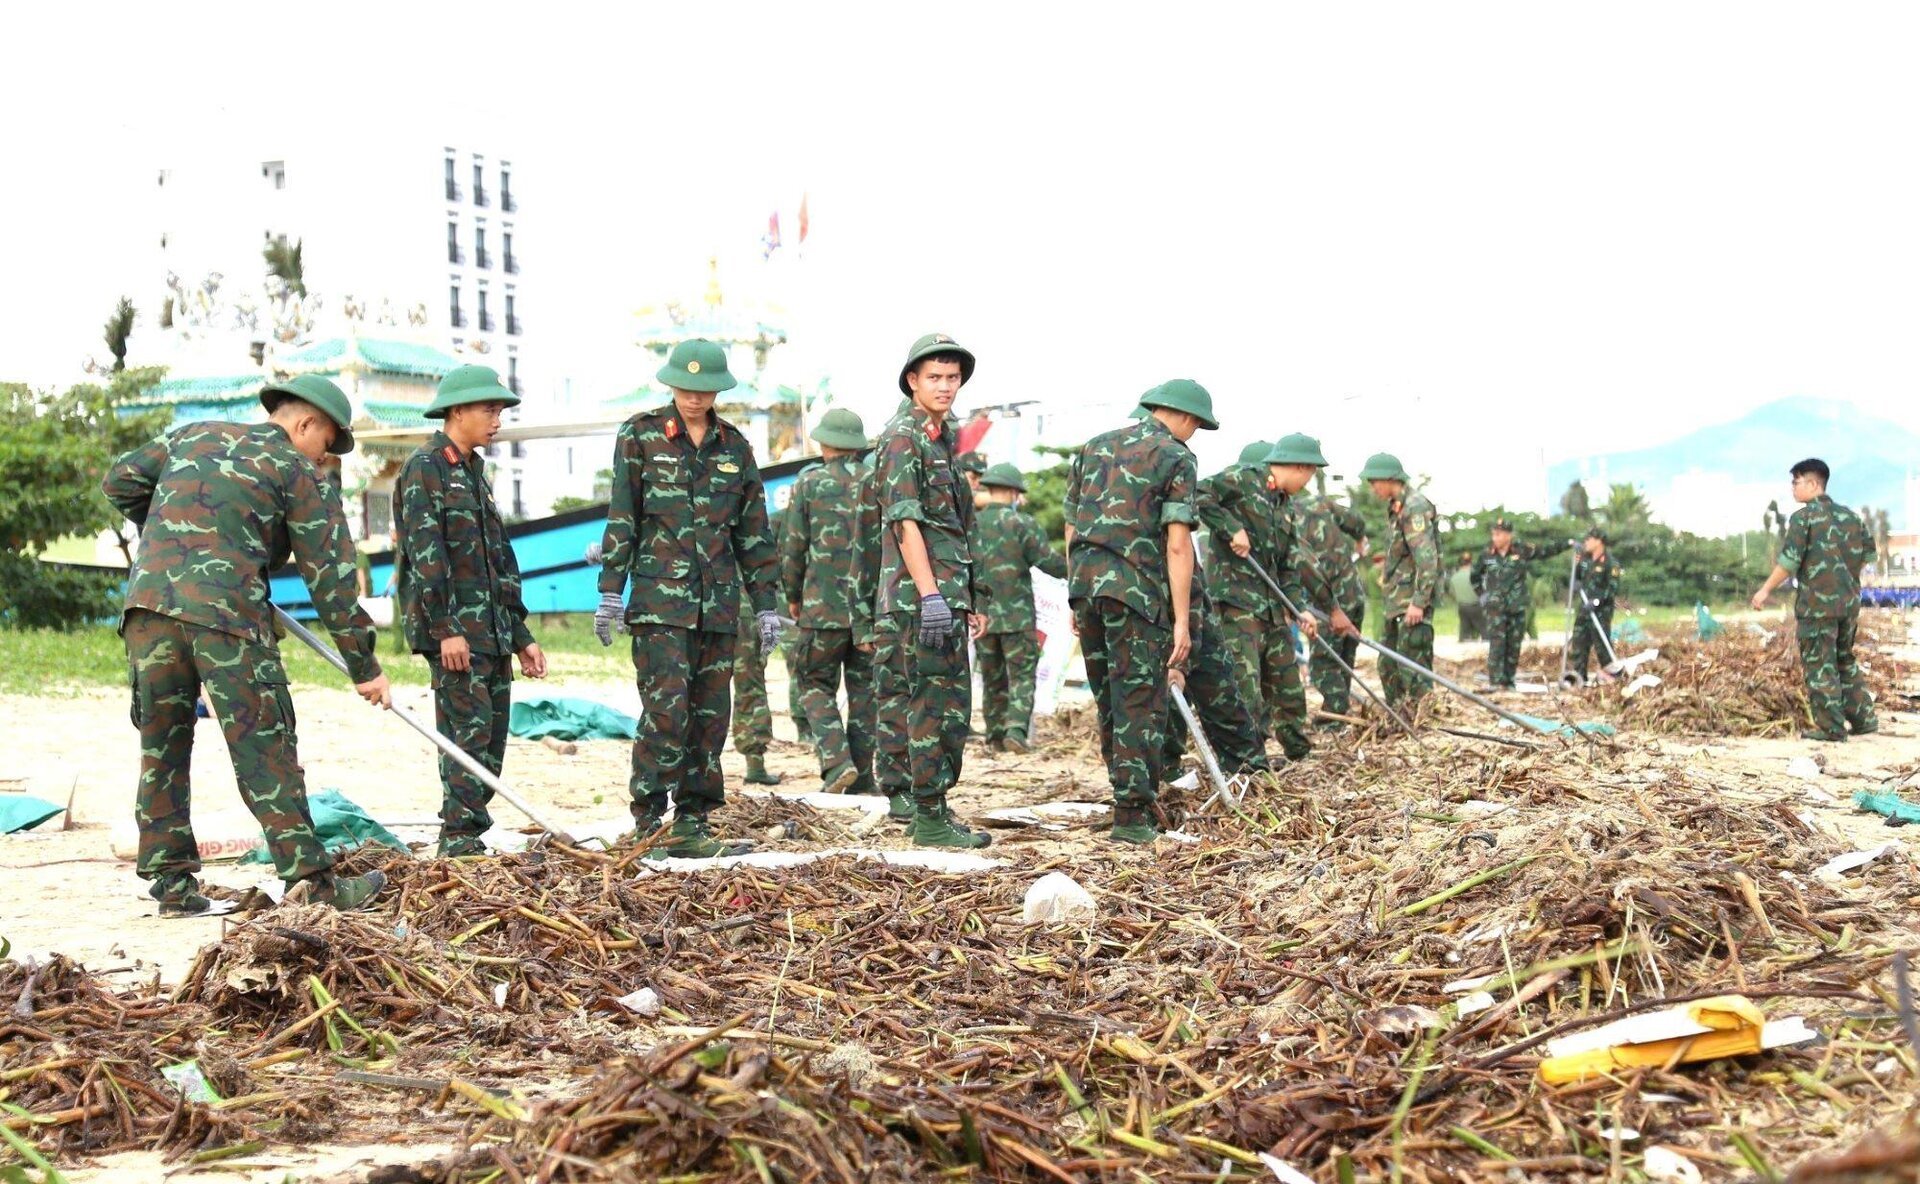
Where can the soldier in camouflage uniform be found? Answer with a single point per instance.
(1130, 511)
(973, 466)
(1410, 579)
(928, 600)
(1327, 534)
(459, 592)
(1291, 465)
(752, 715)
(688, 522)
(829, 561)
(1211, 683)
(1008, 545)
(1596, 582)
(218, 505)
(1827, 544)
(1242, 521)
(1500, 579)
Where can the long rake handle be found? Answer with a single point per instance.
(452, 750)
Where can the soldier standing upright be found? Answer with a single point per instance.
(459, 589)
(829, 563)
(688, 522)
(1827, 545)
(1596, 581)
(1410, 578)
(1130, 516)
(1328, 533)
(218, 505)
(927, 598)
(1500, 581)
(1008, 545)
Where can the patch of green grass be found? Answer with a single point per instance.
(43, 662)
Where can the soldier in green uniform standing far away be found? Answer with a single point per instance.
(459, 591)
(927, 598)
(218, 505)
(1597, 580)
(1827, 545)
(688, 523)
(1410, 579)
(1130, 512)
(1008, 545)
(1500, 580)
(829, 562)
(1328, 533)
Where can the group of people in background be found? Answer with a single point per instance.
(894, 553)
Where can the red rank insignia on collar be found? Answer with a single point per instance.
(672, 428)
(933, 429)
(452, 454)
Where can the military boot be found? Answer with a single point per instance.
(757, 772)
(342, 892)
(900, 807)
(459, 846)
(1134, 824)
(692, 838)
(840, 780)
(179, 895)
(1016, 743)
(933, 826)
(647, 817)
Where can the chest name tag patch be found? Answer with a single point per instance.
(726, 466)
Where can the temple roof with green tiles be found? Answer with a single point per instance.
(236, 397)
(368, 354)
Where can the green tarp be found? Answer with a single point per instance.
(1552, 727)
(569, 719)
(19, 811)
(1703, 620)
(340, 824)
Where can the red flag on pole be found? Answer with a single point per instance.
(770, 242)
(972, 432)
(803, 219)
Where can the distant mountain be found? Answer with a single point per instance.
(1719, 479)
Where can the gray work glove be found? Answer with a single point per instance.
(604, 617)
(769, 630)
(936, 621)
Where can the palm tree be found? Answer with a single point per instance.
(283, 264)
(1625, 508)
(118, 328)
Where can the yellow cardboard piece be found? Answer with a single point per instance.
(1706, 1029)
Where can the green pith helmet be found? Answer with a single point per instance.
(936, 343)
(840, 428)
(1183, 394)
(697, 365)
(1297, 449)
(1003, 477)
(1505, 524)
(469, 384)
(971, 462)
(1255, 453)
(1597, 533)
(1383, 466)
(321, 394)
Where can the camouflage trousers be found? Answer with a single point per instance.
(1836, 694)
(1009, 662)
(925, 697)
(822, 659)
(1334, 685)
(752, 718)
(1586, 641)
(1213, 691)
(168, 663)
(471, 709)
(684, 677)
(1126, 657)
(1267, 672)
(1506, 633)
(1412, 641)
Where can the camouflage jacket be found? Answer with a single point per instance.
(1826, 547)
(455, 572)
(687, 523)
(1125, 488)
(1007, 546)
(1239, 498)
(830, 547)
(1325, 533)
(916, 480)
(1412, 572)
(1501, 580)
(1599, 579)
(218, 506)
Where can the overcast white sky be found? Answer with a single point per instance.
(1417, 227)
